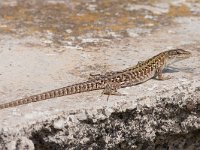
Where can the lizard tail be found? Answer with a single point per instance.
(68, 90)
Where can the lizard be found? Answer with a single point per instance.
(110, 82)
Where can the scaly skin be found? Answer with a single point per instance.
(112, 81)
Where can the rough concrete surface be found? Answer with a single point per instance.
(50, 44)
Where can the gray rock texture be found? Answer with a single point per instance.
(50, 44)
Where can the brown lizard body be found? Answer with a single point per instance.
(112, 81)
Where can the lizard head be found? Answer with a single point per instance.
(177, 55)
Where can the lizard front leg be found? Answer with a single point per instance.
(160, 75)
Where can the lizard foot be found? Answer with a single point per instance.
(164, 77)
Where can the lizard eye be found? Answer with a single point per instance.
(179, 51)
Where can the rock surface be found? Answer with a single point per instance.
(51, 44)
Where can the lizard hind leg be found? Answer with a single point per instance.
(97, 76)
(111, 89)
(94, 76)
(140, 63)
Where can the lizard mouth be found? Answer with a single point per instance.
(182, 54)
(185, 55)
